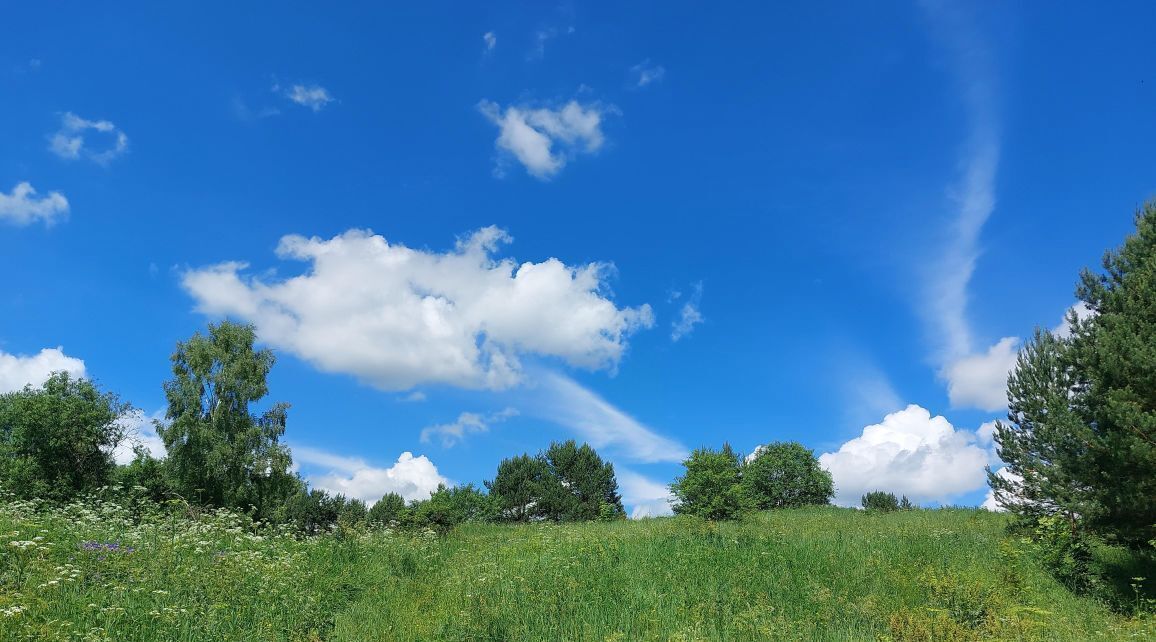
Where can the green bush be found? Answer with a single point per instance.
(880, 501)
(786, 475)
(711, 487)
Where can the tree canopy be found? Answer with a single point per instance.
(786, 475)
(566, 482)
(56, 441)
(219, 453)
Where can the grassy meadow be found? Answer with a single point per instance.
(123, 571)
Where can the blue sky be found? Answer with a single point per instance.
(488, 224)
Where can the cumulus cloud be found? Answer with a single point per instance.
(980, 380)
(646, 73)
(139, 430)
(910, 453)
(561, 400)
(642, 496)
(490, 39)
(396, 317)
(315, 97)
(467, 422)
(17, 371)
(544, 139)
(74, 139)
(688, 316)
(22, 207)
(411, 477)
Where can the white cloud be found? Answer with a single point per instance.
(411, 477)
(646, 73)
(467, 422)
(314, 97)
(980, 380)
(543, 139)
(642, 496)
(910, 453)
(21, 207)
(560, 399)
(490, 39)
(140, 429)
(17, 371)
(396, 317)
(974, 379)
(689, 316)
(69, 142)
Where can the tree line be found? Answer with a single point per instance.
(57, 442)
(1079, 442)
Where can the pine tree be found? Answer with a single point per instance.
(1115, 354)
(1081, 437)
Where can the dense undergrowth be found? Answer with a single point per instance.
(105, 570)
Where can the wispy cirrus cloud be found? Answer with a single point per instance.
(559, 399)
(643, 496)
(974, 377)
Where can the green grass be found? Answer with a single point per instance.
(815, 574)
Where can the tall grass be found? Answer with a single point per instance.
(103, 570)
(808, 574)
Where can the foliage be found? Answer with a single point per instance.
(315, 511)
(564, 483)
(1045, 443)
(519, 486)
(786, 475)
(586, 485)
(56, 441)
(388, 510)
(711, 487)
(1082, 409)
(1066, 551)
(1115, 358)
(218, 453)
(147, 473)
(448, 507)
(880, 501)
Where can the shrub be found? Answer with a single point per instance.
(880, 501)
(711, 487)
(388, 510)
(56, 440)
